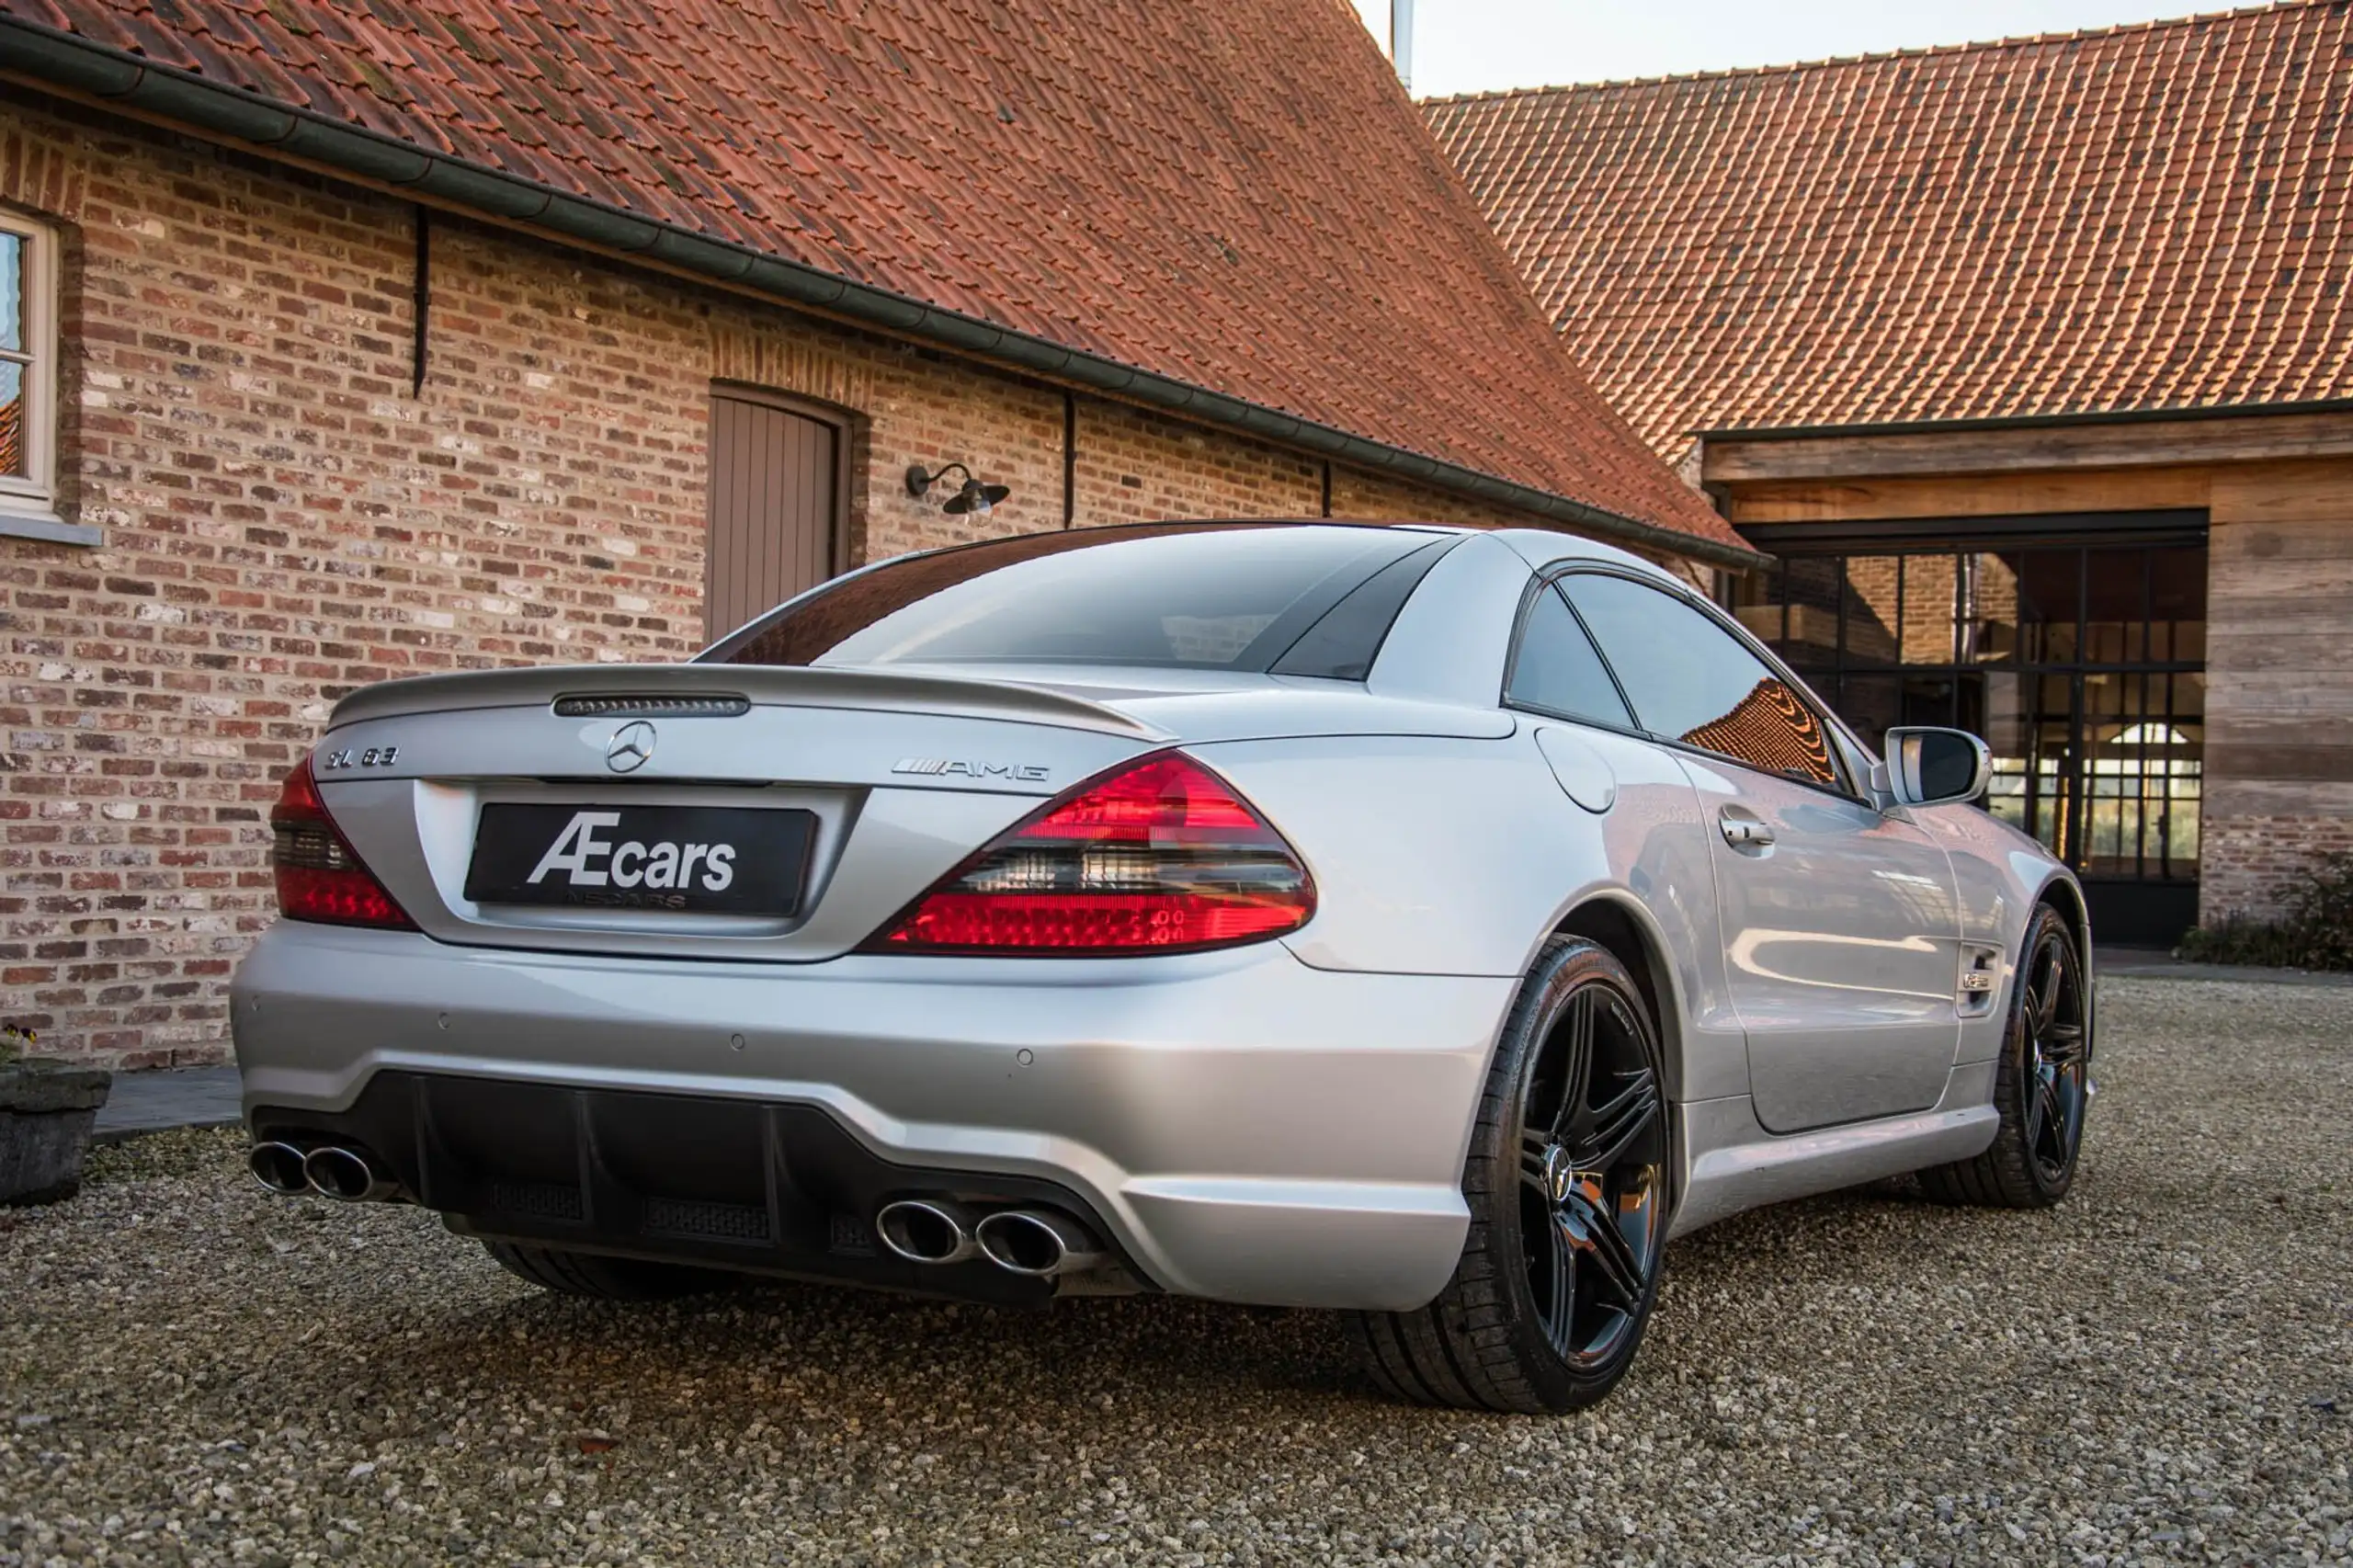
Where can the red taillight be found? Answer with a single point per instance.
(1160, 856)
(319, 876)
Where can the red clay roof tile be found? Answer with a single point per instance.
(1235, 195)
(2157, 216)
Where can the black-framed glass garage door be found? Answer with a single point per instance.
(2076, 647)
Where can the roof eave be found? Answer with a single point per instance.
(79, 68)
(1978, 424)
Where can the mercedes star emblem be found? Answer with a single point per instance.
(631, 747)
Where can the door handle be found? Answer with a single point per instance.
(1744, 830)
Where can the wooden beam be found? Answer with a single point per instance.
(1736, 460)
(1987, 495)
(2285, 493)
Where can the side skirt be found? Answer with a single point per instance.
(1731, 1162)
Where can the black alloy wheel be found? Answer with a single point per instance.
(2042, 1085)
(1592, 1169)
(1567, 1183)
(2058, 1059)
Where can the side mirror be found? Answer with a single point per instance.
(1936, 768)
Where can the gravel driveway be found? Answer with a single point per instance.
(2160, 1370)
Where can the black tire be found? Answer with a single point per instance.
(2041, 1086)
(1539, 1182)
(605, 1278)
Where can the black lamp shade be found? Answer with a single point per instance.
(977, 498)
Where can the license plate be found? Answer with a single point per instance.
(709, 859)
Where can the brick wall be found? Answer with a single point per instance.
(285, 520)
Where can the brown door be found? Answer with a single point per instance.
(775, 485)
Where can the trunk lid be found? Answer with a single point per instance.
(503, 808)
(868, 787)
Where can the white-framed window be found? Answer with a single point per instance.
(28, 379)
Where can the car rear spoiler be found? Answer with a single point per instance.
(756, 686)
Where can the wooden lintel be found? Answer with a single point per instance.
(1736, 460)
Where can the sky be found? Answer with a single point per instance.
(1470, 46)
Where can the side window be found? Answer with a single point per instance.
(1690, 681)
(1556, 670)
(28, 369)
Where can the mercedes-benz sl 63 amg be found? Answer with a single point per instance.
(1423, 923)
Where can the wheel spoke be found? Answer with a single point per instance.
(2051, 1117)
(1616, 1269)
(2062, 1045)
(1533, 1147)
(1558, 1318)
(2036, 1103)
(1616, 1125)
(2043, 988)
(2071, 1102)
(1577, 1061)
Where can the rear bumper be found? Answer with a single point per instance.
(1242, 1126)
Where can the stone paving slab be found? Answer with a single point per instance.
(168, 1097)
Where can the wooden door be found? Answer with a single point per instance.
(775, 498)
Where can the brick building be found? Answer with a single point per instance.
(340, 342)
(2032, 363)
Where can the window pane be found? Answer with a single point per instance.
(1811, 582)
(1874, 601)
(2027, 721)
(1557, 670)
(1756, 601)
(12, 291)
(13, 456)
(2144, 743)
(1690, 681)
(1179, 593)
(1929, 598)
(2178, 604)
(1874, 704)
(2116, 605)
(2022, 606)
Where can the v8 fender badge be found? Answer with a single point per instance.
(943, 767)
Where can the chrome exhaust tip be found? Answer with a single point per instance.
(1038, 1243)
(926, 1230)
(345, 1173)
(278, 1166)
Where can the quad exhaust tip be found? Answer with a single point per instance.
(926, 1229)
(278, 1166)
(1038, 1243)
(346, 1174)
(330, 1171)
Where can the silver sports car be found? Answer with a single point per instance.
(1420, 922)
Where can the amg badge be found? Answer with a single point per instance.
(937, 767)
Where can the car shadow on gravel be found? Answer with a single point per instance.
(889, 1358)
(893, 1361)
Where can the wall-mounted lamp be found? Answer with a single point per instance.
(972, 496)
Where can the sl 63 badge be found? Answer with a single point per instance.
(373, 757)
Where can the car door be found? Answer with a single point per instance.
(1840, 923)
(1651, 833)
